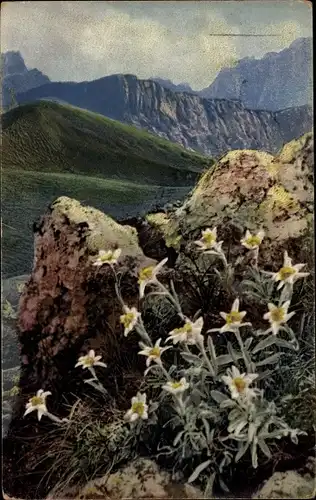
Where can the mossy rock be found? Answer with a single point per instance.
(161, 222)
(256, 191)
(101, 230)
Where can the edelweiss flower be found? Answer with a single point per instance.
(238, 383)
(108, 257)
(147, 276)
(38, 403)
(252, 242)
(139, 408)
(176, 387)
(208, 240)
(190, 333)
(277, 316)
(288, 273)
(233, 318)
(153, 353)
(90, 360)
(129, 319)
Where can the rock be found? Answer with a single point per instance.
(69, 305)
(141, 479)
(252, 189)
(290, 484)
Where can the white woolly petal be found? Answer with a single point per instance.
(159, 266)
(29, 409)
(235, 306)
(100, 363)
(142, 397)
(142, 287)
(289, 316)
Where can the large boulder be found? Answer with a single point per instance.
(250, 189)
(290, 484)
(140, 479)
(69, 306)
(10, 362)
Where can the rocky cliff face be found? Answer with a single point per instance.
(211, 126)
(278, 80)
(17, 77)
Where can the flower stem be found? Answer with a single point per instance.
(56, 419)
(205, 356)
(171, 298)
(242, 348)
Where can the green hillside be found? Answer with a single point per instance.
(51, 137)
(49, 150)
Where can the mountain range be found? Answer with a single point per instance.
(276, 81)
(222, 117)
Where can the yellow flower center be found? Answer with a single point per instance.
(138, 408)
(187, 328)
(127, 319)
(208, 239)
(176, 385)
(277, 314)
(146, 273)
(239, 383)
(89, 361)
(106, 256)
(155, 351)
(37, 400)
(253, 241)
(233, 317)
(286, 272)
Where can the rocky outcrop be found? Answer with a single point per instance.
(250, 189)
(16, 77)
(290, 484)
(141, 479)
(10, 360)
(210, 126)
(277, 81)
(70, 306)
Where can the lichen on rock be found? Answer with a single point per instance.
(69, 305)
(255, 189)
(140, 479)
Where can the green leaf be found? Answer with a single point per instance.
(212, 352)
(270, 360)
(177, 438)
(218, 396)
(254, 456)
(264, 343)
(208, 492)
(224, 359)
(191, 358)
(234, 354)
(228, 403)
(284, 343)
(223, 485)
(195, 474)
(248, 342)
(264, 448)
(242, 450)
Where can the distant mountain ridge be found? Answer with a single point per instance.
(16, 77)
(210, 126)
(277, 81)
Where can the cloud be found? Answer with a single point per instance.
(88, 40)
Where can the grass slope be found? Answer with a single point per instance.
(49, 150)
(51, 137)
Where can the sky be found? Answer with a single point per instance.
(77, 41)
